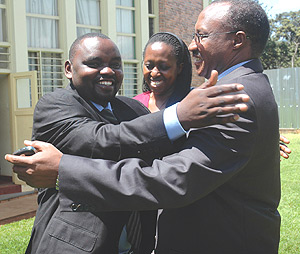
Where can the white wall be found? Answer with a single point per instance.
(5, 128)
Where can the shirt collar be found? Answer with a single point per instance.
(100, 108)
(223, 74)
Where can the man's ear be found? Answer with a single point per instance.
(68, 69)
(240, 40)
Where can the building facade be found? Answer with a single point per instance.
(35, 36)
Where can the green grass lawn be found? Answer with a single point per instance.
(15, 236)
(289, 207)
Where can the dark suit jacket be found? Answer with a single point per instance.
(220, 193)
(75, 126)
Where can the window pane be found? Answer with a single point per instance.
(129, 87)
(23, 87)
(4, 58)
(129, 3)
(50, 72)
(88, 12)
(3, 29)
(125, 21)
(126, 45)
(42, 33)
(47, 7)
(150, 6)
(151, 27)
(84, 30)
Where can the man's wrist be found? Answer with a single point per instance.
(173, 127)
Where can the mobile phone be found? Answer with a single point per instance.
(27, 150)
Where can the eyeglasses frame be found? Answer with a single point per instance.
(202, 36)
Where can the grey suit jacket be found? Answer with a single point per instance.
(220, 193)
(75, 126)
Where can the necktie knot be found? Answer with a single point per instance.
(109, 116)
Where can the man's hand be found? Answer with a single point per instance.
(205, 106)
(284, 150)
(39, 170)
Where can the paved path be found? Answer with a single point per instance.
(19, 208)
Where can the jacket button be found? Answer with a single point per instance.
(75, 207)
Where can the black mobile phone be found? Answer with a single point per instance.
(27, 150)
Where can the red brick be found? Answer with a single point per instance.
(179, 17)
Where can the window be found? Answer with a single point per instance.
(42, 23)
(126, 28)
(3, 26)
(88, 16)
(44, 54)
(4, 57)
(130, 82)
(49, 70)
(151, 17)
(4, 45)
(126, 39)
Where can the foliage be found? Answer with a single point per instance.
(282, 49)
(14, 237)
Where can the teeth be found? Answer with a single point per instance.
(155, 83)
(105, 83)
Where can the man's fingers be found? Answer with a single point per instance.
(284, 155)
(224, 119)
(222, 89)
(230, 100)
(284, 148)
(284, 139)
(234, 109)
(227, 119)
(15, 159)
(38, 145)
(212, 80)
(19, 170)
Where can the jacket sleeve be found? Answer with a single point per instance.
(210, 157)
(74, 128)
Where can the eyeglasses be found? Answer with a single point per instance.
(199, 37)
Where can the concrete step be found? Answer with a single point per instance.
(17, 207)
(10, 188)
(7, 186)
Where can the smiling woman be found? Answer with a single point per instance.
(167, 71)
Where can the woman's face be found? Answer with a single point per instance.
(160, 68)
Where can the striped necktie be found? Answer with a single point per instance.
(134, 231)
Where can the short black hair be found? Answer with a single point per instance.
(182, 54)
(250, 17)
(75, 44)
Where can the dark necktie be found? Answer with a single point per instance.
(133, 226)
(108, 115)
(134, 231)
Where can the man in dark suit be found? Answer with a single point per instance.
(74, 120)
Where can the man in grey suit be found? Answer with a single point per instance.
(75, 121)
(221, 191)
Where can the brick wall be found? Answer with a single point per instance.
(179, 17)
